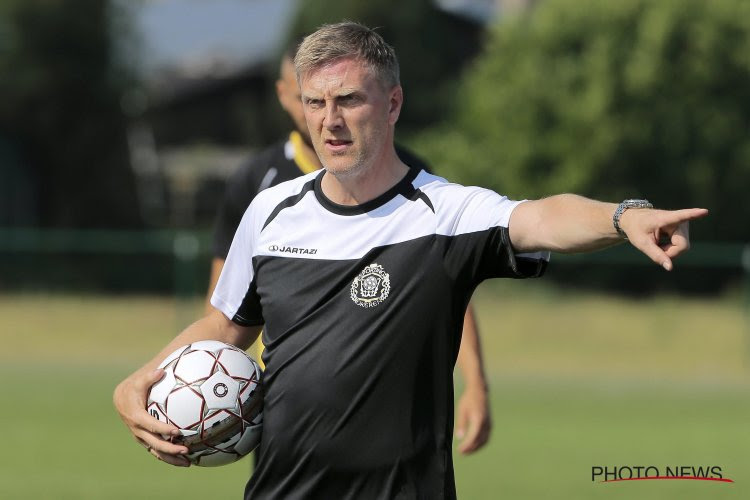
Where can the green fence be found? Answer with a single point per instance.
(177, 263)
(174, 261)
(152, 261)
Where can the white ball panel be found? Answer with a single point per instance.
(220, 391)
(228, 445)
(195, 457)
(212, 441)
(237, 364)
(249, 440)
(161, 389)
(222, 430)
(155, 411)
(230, 438)
(248, 391)
(184, 407)
(194, 366)
(216, 459)
(257, 419)
(216, 417)
(208, 345)
(173, 356)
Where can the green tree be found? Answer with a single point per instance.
(612, 99)
(60, 112)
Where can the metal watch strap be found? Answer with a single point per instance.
(624, 205)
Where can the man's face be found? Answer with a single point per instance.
(288, 93)
(350, 115)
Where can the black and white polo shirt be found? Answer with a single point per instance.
(363, 309)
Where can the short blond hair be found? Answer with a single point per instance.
(347, 39)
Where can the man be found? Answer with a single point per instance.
(293, 157)
(360, 275)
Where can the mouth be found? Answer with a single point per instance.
(337, 145)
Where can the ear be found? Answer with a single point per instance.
(395, 99)
(280, 87)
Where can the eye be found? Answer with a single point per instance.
(314, 103)
(348, 99)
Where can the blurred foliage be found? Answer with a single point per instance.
(432, 46)
(634, 98)
(60, 114)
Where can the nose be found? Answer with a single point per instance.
(333, 119)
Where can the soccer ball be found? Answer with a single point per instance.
(211, 391)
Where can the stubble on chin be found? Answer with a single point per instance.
(355, 168)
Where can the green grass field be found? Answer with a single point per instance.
(577, 381)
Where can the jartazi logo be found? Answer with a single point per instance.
(292, 250)
(615, 473)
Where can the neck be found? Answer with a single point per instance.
(367, 185)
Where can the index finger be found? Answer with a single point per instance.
(151, 418)
(150, 421)
(157, 443)
(685, 214)
(158, 434)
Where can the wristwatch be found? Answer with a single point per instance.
(630, 203)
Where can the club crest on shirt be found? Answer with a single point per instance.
(371, 286)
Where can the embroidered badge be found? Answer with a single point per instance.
(371, 286)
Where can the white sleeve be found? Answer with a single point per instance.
(234, 294)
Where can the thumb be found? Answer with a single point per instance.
(469, 444)
(150, 378)
(653, 251)
(156, 375)
(658, 255)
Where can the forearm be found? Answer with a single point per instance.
(214, 326)
(473, 421)
(563, 223)
(469, 359)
